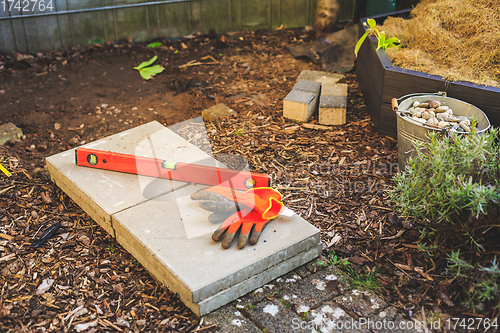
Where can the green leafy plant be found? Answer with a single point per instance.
(452, 187)
(427, 248)
(321, 263)
(382, 41)
(147, 71)
(96, 41)
(489, 288)
(451, 191)
(482, 284)
(111, 248)
(365, 280)
(457, 265)
(155, 44)
(336, 261)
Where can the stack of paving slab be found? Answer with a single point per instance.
(317, 91)
(169, 234)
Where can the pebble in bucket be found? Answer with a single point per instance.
(420, 114)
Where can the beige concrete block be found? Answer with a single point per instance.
(309, 86)
(338, 89)
(299, 105)
(332, 116)
(333, 104)
(321, 77)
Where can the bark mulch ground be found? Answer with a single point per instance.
(334, 177)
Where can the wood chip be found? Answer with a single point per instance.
(106, 322)
(316, 127)
(203, 328)
(8, 257)
(5, 236)
(400, 232)
(6, 189)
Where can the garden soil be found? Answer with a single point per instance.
(334, 177)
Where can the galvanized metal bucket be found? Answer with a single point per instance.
(410, 130)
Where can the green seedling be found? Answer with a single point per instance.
(96, 41)
(321, 264)
(111, 248)
(365, 280)
(457, 265)
(147, 71)
(427, 248)
(382, 41)
(155, 44)
(336, 261)
(494, 270)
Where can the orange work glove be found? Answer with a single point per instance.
(248, 212)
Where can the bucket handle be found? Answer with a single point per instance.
(395, 101)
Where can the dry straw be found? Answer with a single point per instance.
(456, 39)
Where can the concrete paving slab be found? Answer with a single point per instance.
(267, 290)
(157, 222)
(389, 320)
(204, 274)
(312, 291)
(9, 131)
(275, 316)
(102, 193)
(299, 105)
(321, 77)
(260, 279)
(329, 317)
(396, 324)
(228, 319)
(361, 302)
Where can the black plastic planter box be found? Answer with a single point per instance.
(380, 82)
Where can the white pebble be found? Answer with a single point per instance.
(271, 309)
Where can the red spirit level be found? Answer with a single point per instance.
(154, 167)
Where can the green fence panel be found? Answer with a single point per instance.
(75, 23)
